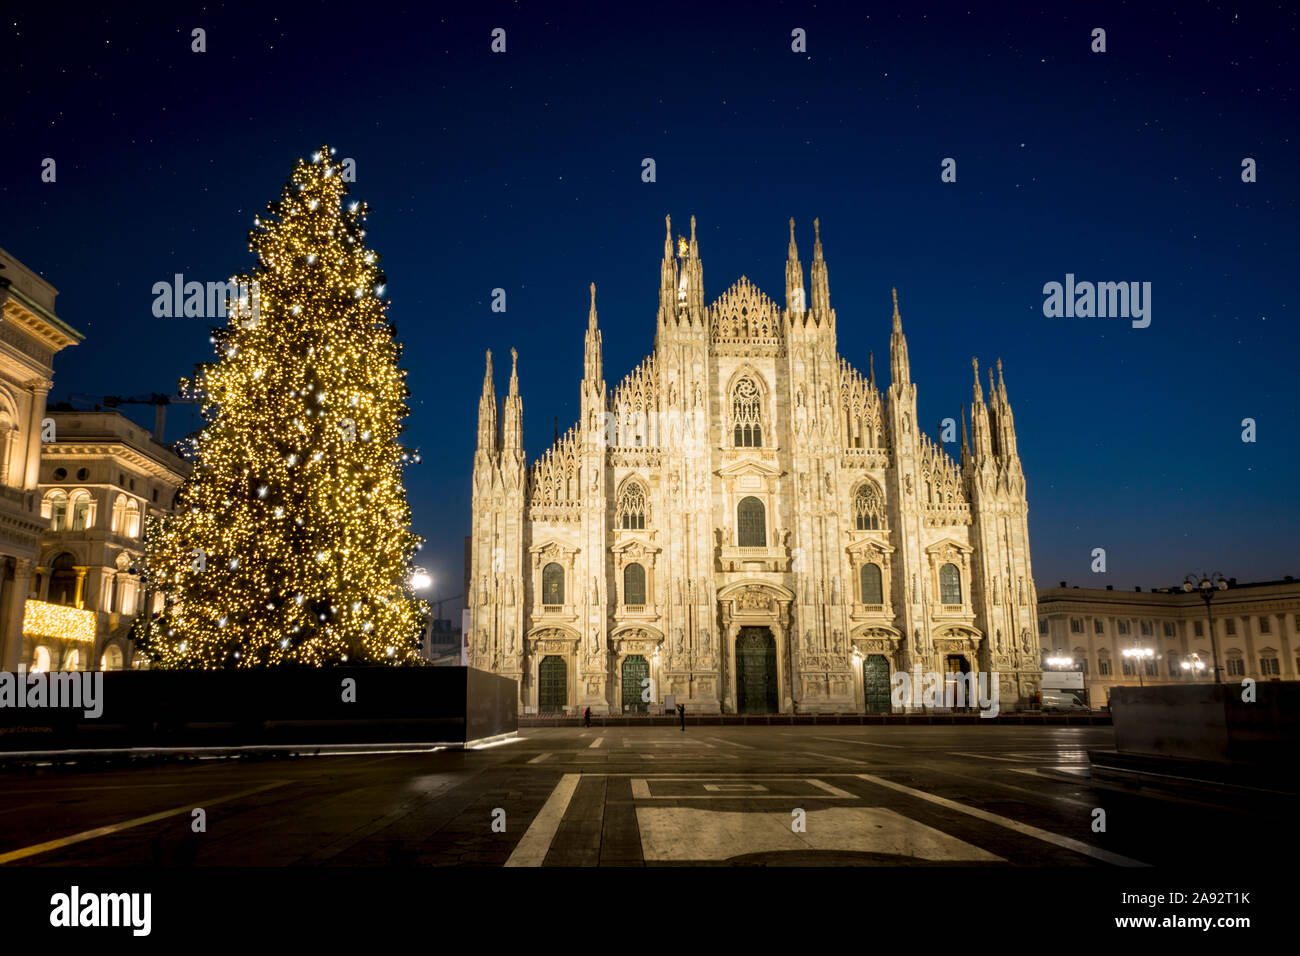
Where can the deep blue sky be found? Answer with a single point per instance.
(522, 171)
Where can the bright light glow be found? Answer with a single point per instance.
(43, 619)
(421, 579)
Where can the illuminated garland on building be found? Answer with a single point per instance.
(291, 541)
(58, 621)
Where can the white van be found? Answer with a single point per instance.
(1064, 701)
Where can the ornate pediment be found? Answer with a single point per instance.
(636, 546)
(558, 640)
(552, 549)
(750, 466)
(948, 547)
(871, 543)
(955, 637)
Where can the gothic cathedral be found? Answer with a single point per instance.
(746, 524)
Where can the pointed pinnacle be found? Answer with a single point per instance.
(692, 230)
(898, 319)
(591, 315)
(817, 239)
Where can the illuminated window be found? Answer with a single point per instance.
(634, 584)
(872, 592)
(73, 661)
(552, 584)
(112, 659)
(949, 584)
(80, 507)
(40, 660)
(751, 523)
(57, 503)
(868, 508)
(631, 507)
(747, 414)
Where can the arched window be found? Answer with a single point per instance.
(872, 593)
(119, 515)
(80, 507)
(634, 584)
(73, 661)
(868, 508)
(631, 507)
(751, 523)
(552, 584)
(40, 660)
(63, 579)
(747, 414)
(949, 584)
(112, 659)
(58, 505)
(131, 522)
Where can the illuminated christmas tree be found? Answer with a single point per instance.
(291, 542)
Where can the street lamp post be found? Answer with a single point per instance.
(1206, 585)
(1193, 665)
(1140, 655)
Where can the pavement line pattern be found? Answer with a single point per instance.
(544, 755)
(956, 753)
(680, 834)
(1069, 843)
(597, 742)
(85, 835)
(536, 841)
(641, 789)
(812, 753)
(862, 743)
(836, 791)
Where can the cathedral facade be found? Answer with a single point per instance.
(747, 524)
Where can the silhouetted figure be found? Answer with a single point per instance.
(681, 712)
(586, 717)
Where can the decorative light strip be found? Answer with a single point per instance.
(58, 621)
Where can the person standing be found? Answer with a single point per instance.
(681, 712)
(586, 717)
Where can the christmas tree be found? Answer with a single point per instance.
(291, 541)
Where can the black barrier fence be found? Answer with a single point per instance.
(282, 707)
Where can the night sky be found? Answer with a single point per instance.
(522, 171)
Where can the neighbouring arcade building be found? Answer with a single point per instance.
(746, 523)
(101, 479)
(30, 335)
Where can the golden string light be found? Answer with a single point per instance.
(291, 541)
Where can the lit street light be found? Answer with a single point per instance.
(1141, 655)
(1194, 665)
(420, 580)
(1206, 586)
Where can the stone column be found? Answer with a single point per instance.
(81, 587)
(13, 631)
(38, 388)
